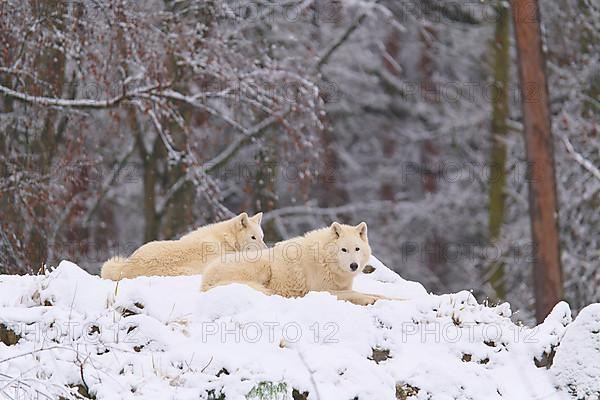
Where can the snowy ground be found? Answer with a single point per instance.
(160, 338)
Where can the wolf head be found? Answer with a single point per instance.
(247, 231)
(350, 247)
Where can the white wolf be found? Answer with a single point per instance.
(326, 259)
(191, 253)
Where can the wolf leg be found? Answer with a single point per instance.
(361, 299)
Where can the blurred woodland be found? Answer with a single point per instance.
(128, 121)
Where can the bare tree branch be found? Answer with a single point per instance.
(81, 103)
(581, 160)
(221, 159)
(236, 145)
(324, 58)
(327, 211)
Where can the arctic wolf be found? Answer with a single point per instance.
(190, 254)
(326, 259)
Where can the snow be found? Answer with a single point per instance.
(577, 360)
(159, 337)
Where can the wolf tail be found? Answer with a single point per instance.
(113, 268)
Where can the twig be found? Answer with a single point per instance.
(308, 209)
(312, 378)
(581, 160)
(206, 366)
(324, 58)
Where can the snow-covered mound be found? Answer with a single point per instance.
(577, 360)
(70, 334)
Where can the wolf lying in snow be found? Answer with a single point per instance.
(326, 259)
(190, 254)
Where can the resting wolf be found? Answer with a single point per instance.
(190, 254)
(326, 259)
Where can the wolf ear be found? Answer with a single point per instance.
(362, 230)
(244, 220)
(337, 229)
(257, 218)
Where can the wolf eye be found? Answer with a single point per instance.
(357, 249)
(344, 250)
(253, 237)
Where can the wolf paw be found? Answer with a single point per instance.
(365, 300)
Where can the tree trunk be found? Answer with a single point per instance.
(543, 207)
(178, 215)
(149, 160)
(497, 178)
(50, 63)
(430, 153)
(264, 188)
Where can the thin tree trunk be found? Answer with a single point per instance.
(149, 160)
(50, 63)
(543, 207)
(177, 214)
(430, 153)
(387, 188)
(265, 193)
(497, 179)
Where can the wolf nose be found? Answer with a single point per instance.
(354, 266)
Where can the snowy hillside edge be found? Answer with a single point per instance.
(68, 334)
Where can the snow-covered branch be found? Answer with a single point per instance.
(79, 103)
(580, 159)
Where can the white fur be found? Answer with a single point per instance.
(320, 260)
(191, 253)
